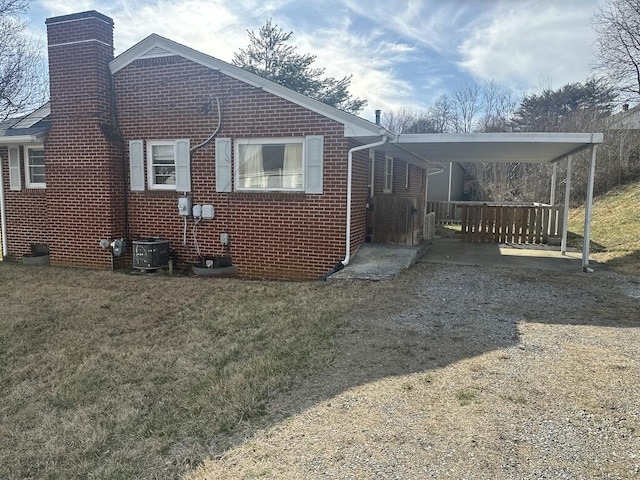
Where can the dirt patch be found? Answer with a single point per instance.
(466, 372)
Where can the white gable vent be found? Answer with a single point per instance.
(156, 52)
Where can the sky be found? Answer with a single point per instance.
(400, 53)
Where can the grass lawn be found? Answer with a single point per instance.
(615, 228)
(109, 375)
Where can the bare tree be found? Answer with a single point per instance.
(398, 120)
(618, 44)
(441, 114)
(498, 105)
(467, 102)
(22, 72)
(406, 120)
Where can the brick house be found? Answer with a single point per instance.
(288, 181)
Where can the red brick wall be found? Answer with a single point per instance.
(275, 235)
(25, 210)
(84, 194)
(416, 187)
(359, 196)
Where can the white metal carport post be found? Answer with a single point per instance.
(565, 213)
(587, 210)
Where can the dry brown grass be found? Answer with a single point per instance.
(138, 376)
(455, 399)
(615, 228)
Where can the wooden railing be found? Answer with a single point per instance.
(510, 223)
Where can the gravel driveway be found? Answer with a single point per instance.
(467, 373)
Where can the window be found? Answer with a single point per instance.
(388, 175)
(161, 160)
(270, 164)
(168, 165)
(34, 169)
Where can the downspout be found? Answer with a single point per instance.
(347, 256)
(3, 214)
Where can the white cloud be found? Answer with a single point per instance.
(528, 43)
(369, 58)
(400, 53)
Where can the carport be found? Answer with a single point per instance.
(549, 148)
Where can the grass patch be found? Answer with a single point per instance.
(615, 228)
(448, 231)
(466, 397)
(119, 376)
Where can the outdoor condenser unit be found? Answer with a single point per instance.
(150, 253)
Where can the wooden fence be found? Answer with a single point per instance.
(447, 213)
(429, 229)
(397, 220)
(510, 223)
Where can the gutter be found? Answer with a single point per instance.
(382, 141)
(21, 139)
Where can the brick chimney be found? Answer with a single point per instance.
(84, 173)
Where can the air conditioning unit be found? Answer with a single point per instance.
(150, 253)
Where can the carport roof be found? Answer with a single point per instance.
(505, 148)
(494, 147)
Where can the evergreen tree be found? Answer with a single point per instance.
(557, 110)
(270, 56)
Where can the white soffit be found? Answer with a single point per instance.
(497, 147)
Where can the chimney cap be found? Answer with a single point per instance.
(79, 16)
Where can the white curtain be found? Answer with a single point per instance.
(292, 166)
(251, 168)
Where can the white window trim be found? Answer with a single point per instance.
(27, 172)
(150, 176)
(268, 141)
(388, 175)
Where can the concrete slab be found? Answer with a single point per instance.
(378, 262)
(381, 262)
(541, 257)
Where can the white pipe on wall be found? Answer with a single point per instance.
(347, 256)
(3, 214)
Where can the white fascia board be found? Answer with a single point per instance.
(528, 137)
(354, 125)
(33, 118)
(21, 139)
(395, 150)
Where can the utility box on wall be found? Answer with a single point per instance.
(150, 253)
